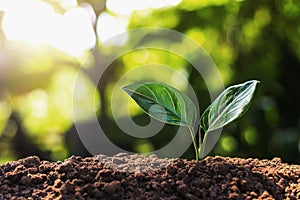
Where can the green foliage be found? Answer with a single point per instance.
(248, 39)
(163, 103)
(230, 105)
(168, 105)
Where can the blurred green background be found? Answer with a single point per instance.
(43, 44)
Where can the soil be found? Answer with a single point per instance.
(139, 177)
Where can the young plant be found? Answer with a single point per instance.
(170, 106)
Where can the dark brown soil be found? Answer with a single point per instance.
(140, 177)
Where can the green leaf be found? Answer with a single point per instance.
(231, 104)
(163, 103)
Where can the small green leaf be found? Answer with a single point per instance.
(163, 103)
(231, 104)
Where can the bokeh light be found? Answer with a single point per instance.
(71, 32)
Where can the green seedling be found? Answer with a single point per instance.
(170, 106)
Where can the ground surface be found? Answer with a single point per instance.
(139, 177)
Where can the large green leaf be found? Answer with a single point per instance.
(231, 104)
(163, 103)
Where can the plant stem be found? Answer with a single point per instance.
(191, 129)
(200, 141)
(202, 145)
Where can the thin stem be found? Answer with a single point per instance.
(202, 145)
(200, 139)
(191, 129)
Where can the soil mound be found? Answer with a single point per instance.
(139, 177)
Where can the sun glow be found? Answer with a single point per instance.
(106, 31)
(20, 23)
(36, 23)
(74, 32)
